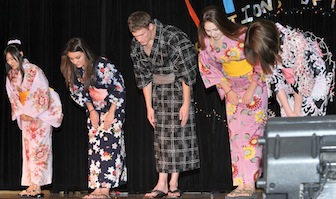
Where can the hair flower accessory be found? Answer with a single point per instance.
(14, 41)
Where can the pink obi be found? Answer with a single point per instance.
(288, 73)
(98, 94)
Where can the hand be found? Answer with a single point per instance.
(109, 120)
(247, 98)
(24, 117)
(233, 98)
(150, 116)
(94, 117)
(184, 114)
(292, 114)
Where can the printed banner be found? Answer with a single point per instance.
(244, 11)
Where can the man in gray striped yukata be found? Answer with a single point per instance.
(165, 65)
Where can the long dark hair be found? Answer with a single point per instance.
(69, 70)
(15, 50)
(217, 16)
(262, 44)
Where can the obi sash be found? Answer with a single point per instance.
(164, 79)
(237, 68)
(23, 96)
(98, 94)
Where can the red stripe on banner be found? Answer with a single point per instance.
(192, 13)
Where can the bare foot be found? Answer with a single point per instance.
(99, 193)
(32, 191)
(235, 192)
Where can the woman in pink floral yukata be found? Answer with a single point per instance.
(37, 109)
(222, 64)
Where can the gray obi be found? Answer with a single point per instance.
(164, 79)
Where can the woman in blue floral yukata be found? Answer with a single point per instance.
(97, 85)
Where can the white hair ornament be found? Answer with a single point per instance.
(14, 41)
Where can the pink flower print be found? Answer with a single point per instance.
(42, 98)
(33, 127)
(31, 76)
(32, 72)
(204, 70)
(33, 135)
(14, 107)
(26, 144)
(118, 87)
(41, 155)
(106, 156)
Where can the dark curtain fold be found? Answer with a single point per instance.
(45, 26)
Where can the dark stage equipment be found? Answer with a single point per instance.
(299, 158)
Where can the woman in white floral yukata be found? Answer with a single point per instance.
(37, 109)
(97, 85)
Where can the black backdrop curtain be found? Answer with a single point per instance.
(44, 27)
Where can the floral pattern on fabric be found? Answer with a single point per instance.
(106, 150)
(309, 58)
(44, 106)
(245, 122)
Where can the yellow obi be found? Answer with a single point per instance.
(23, 96)
(237, 68)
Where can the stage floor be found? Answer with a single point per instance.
(72, 195)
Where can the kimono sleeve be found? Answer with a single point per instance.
(38, 99)
(54, 115)
(276, 82)
(114, 83)
(142, 72)
(210, 70)
(16, 106)
(42, 101)
(184, 58)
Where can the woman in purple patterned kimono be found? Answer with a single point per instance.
(37, 109)
(303, 78)
(97, 85)
(222, 64)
